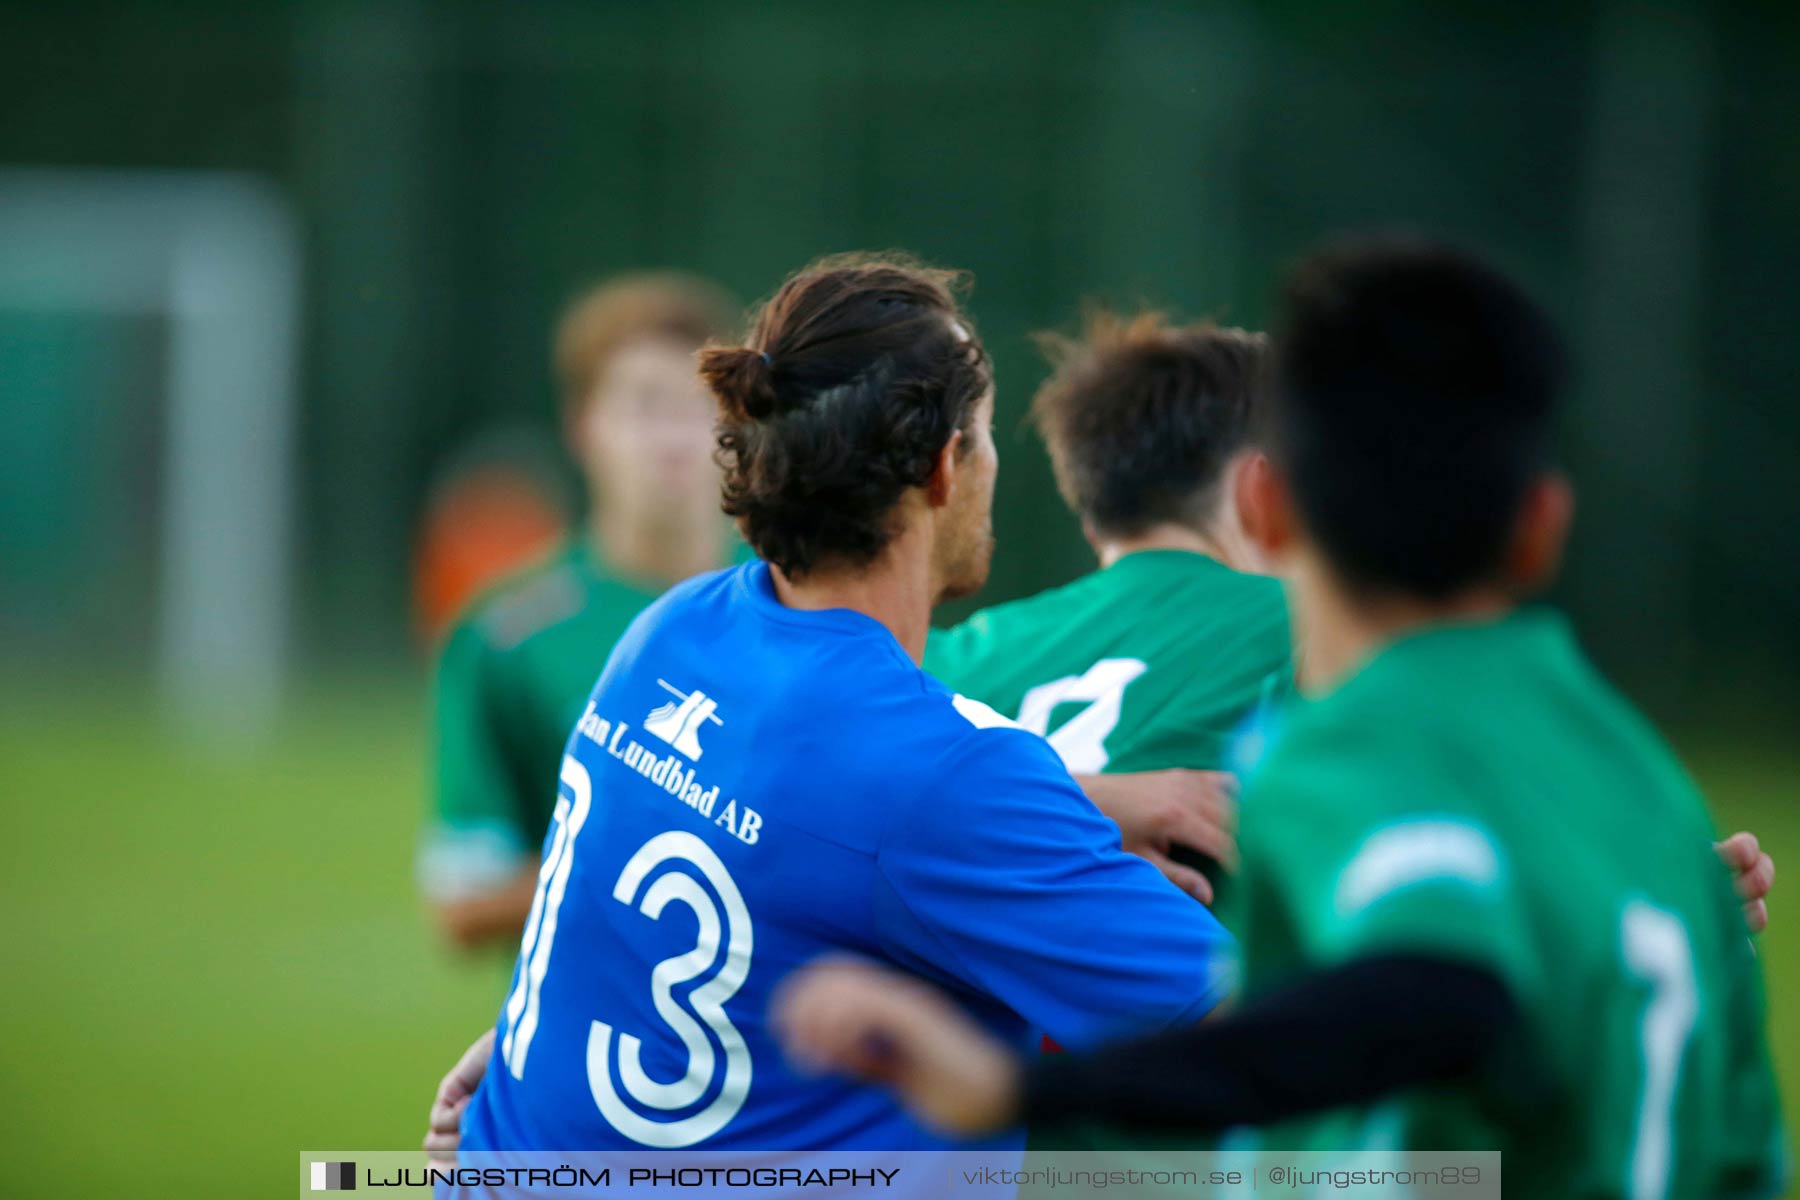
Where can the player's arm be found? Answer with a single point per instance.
(443, 1126)
(1408, 919)
(476, 870)
(1349, 1035)
(1003, 879)
(1343, 1036)
(1160, 812)
(1156, 811)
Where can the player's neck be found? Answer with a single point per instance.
(1234, 551)
(663, 552)
(1339, 630)
(897, 590)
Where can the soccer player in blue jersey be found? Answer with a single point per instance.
(763, 774)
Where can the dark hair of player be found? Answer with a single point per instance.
(670, 305)
(1140, 417)
(1416, 390)
(858, 371)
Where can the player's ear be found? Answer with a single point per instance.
(941, 483)
(1265, 507)
(1541, 532)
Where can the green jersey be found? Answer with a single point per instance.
(1156, 661)
(1152, 662)
(1478, 792)
(511, 682)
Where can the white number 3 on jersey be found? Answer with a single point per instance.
(722, 948)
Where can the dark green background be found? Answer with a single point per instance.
(460, 168)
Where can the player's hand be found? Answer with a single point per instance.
(1159, 810)
(1753, 873)
(854, 1018)
(443, 1129)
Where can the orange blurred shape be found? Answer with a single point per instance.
(478, 528)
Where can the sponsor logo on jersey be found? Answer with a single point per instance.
(678, 722)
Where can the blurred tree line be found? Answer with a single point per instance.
(460, 168)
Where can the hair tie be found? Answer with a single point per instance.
(767, 361)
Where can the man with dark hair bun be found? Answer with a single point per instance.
(763, 774)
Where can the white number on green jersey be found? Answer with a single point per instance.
(1657, 951)
(1081, 740)
(722, 949)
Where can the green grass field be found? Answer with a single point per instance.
(218, 964)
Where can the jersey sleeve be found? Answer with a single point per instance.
(1359, 864)
(1006, 879)
(473, 840)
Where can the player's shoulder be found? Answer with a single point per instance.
(1371, 805)
(695, 602)
(524, 603)
(707, 588)
(949, 762)
(1018, 630)
(1387, 743)
(1227, 611)
(1190, 599)
(1336, 755)
(954, 717)
(843, 669)
(958, 737)
(1259, 602)
(1020, 617)
(571, 589)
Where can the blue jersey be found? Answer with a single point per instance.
(752, 786)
